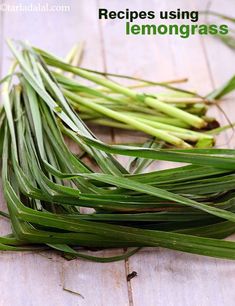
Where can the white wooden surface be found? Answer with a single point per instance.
(164, 277)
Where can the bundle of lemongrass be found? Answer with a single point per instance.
(190, 208)
(176, 116)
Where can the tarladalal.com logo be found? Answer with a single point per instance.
(35, 7)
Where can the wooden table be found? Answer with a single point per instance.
(164, 277)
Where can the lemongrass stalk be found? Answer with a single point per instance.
(118, 97)
(175, 129)
(5, 94)
(181, 100)
(142, 85)
(197, 109)
(176, 112)
(178, 132)
(119, 125)
(161, 106)
(152, 102)
(176, 97)
(174, 94)
(184, 136)
(73, 57)
(128, 120)
(154, 124)
(130, 107)
(111, 123)
(163, 126)
(133, 103)
(181, 135)
(68, 58)
(162, 119)
(88, 114)
(76, 57)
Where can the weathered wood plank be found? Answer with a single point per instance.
(221, 64)
(174, 278)
(139, 56)
(33, 279)
(164, 277)
(167, 277)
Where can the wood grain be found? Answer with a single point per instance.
(167, 277)
(41, 279)
(164, 277)
(221, 67)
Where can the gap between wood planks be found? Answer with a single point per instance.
(113, 140)
(203, 43)
(211, 83)
(102, 41)
(219, 112)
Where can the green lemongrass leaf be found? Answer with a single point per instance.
(68, 250)
(180, 174)
(145, 217)
(220, 129)
(185, 156)
(5, 247)
(203, 246)
(228, 40)
(161, 134)
(218, 14)
(177, 244)
(57, 62)
(204, 186)
(71, 120)
(152, 102)
(44, 183)
(137, 164)
(218, 230)
(223, 90)
(144, 188)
